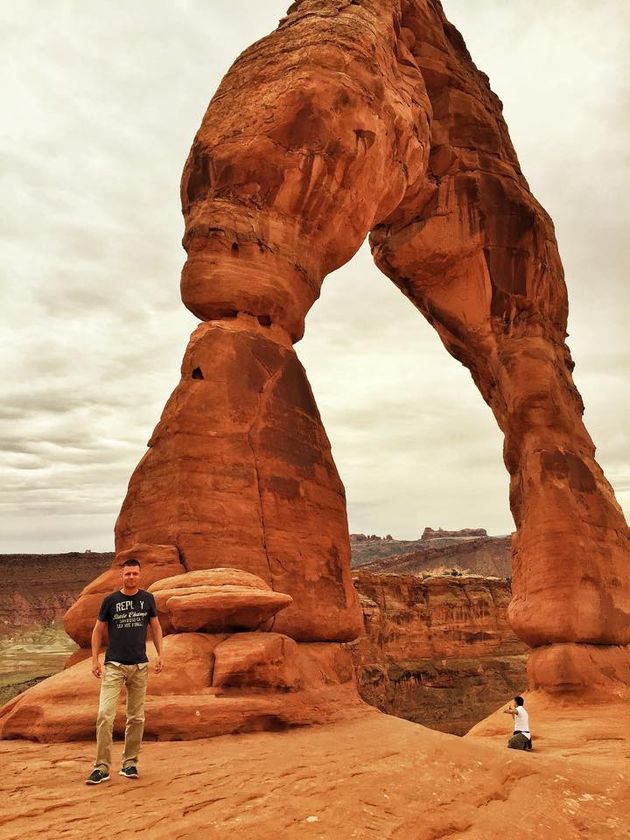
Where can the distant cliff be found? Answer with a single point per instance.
(439, 650)
(462, 550)
(37, 589)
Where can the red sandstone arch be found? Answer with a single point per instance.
(356, 118)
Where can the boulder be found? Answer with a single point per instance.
(260, 660)
(216, 600)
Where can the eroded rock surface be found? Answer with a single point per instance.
(183, 703)
(371, 776)
(242, 441)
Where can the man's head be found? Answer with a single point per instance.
(130, 573)
(519, 701)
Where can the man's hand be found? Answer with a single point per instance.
(159, 664)
(96, 669)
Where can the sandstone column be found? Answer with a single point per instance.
(314, 136)
(479, 259)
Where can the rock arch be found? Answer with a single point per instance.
(356, 118)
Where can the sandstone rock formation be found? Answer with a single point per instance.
(216, 684)
(438, 651)
(242, 441)
(351, 119)
(359, 118)
(216, 601)
(389, 127)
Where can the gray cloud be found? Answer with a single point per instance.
(104, 102)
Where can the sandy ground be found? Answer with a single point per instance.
(370, 777)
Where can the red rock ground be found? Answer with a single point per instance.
(373, 776)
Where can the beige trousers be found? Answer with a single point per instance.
(134, 677)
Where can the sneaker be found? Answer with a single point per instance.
(130, 772)
(96, 777)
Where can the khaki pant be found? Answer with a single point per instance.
(134, 677)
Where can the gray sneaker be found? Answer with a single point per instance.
(96, 777)
(130, 772)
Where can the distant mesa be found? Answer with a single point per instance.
(440, 533)
(427, 534)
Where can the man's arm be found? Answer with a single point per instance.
(97, 642)
(510, 711)
(156, 633)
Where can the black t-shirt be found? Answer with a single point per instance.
(127, 617)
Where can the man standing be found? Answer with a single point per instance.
(126, 614)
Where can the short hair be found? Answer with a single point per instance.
(519, 701)
(131, 562)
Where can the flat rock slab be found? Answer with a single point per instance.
(220, 609)
(224, 576)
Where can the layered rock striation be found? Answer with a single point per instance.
(437, 650)
(37, 589)
(487, 556)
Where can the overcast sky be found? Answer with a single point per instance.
(102, 101)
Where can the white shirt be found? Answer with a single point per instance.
(521, 721)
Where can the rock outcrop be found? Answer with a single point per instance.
(487, 556)
(216, 601)
(437, 650)
(242, 440)
(269, 682)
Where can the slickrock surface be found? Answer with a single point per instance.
(372, 776)
(437, 651)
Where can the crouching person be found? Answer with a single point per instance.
(521, 736)
(126, 614)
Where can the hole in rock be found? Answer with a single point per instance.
(235, 249)
(412, 438)
(264, 320)
(197, 373)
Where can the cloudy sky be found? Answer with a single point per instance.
(101, 104)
